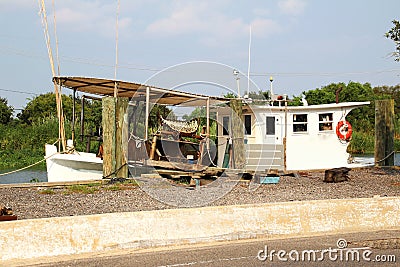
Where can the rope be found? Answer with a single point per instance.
(40, 161)
(209, 157)
(386, 156)
(55, 34)
(24, 168)
(115, 172)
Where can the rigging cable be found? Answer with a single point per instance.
(42, 12)
(61, 131)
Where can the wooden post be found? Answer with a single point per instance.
(153, 147)
(114, 137)
(384, 132)
(237, 134)
(121, 153)
(73, 117)
(82, 117)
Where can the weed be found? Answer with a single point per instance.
(115, 187)
(83, 189)
(47, 191)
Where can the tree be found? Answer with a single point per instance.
(360, 118)
(6, 111)
(394, 34)
(43, 107)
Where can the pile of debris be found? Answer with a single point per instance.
(6, 213)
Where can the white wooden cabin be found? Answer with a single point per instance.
(289, 138)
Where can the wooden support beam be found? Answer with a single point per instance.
(153, 147)
(114, 137)
(121, 138)
(109, 129)
(384, 132)
(237, 134)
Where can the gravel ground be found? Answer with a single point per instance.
(154, 194)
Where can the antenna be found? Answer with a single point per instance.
(248, 67)
(236, 74)
(116, 53)
(271, 79)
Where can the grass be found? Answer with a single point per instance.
(92, 188)
(84, 189)
(115, 187)
(128, 183)
(361, 143)
(47, 191)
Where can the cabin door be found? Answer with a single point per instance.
(273, 130)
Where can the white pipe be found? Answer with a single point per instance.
(147, 113)
(248, 67)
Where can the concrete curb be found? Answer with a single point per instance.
(82, 234)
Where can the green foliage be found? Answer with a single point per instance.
(361, 118)
(361, 142)
(47, 191)
(394, 34)
(41, 108)
(83, 189)
(6, 111)
(230, 95)
(13, 159)
(155, 113)
(22, 141)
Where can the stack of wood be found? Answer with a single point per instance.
(337, 175)
(6, 213)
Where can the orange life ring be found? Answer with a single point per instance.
(344, 130)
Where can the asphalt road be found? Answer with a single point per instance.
(373, 248)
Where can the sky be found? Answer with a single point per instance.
(303, 44)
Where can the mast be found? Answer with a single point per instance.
(57, 90)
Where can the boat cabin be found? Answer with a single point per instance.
(291, 137)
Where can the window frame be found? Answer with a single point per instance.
(328, 123)
(272, 133)
(226, 122)
(246, 126)
(299, 123)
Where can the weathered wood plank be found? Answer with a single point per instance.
(114, 137)
(384, 132)
(237, 134)
(109, 129)
(121, 136)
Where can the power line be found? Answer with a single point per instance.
(324, 73)
(93, 62)
(16, 91)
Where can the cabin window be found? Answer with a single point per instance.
(225, 125)
(247, 124)
(300, 123)
(325, 121)
(270, 125)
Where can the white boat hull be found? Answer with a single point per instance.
(72, 167)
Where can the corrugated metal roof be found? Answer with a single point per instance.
(105, 87)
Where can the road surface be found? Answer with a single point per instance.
(363, 249)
